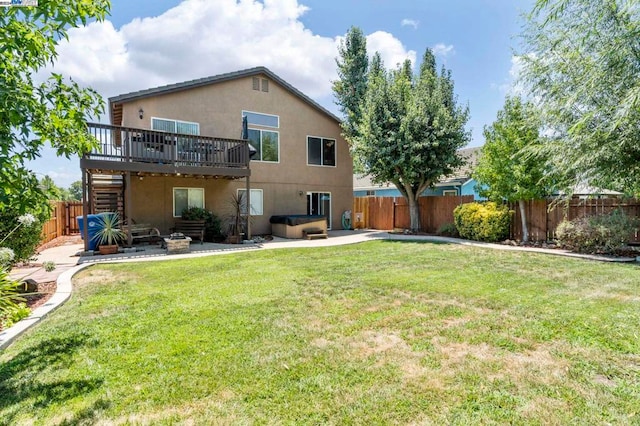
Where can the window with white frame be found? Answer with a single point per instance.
(321, 151)
(260, 119)
(450, 192)
(184, 145)
(175, 126)
(184, 198)
(256, 201)
(265, 141)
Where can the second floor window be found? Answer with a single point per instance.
(321, 151)
(175, 126)
(265, 141)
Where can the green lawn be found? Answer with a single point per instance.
(380, 332)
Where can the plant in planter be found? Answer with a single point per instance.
(236, 220)
(213, 230)
(109, 233)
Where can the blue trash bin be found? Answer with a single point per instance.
(95, 223)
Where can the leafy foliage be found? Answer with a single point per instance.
(508, 168)
(109, 232)
(9, 298)
(34, 114)
(596, 234)
(482, 221)
(583, 66)
(351, 87)
(213, 224)
(22, 239)
(511, 166)
(53, 191)
(75, 191)
(403, 128)
(448, 230)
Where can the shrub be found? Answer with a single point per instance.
(448, 230)
(596, 234)
(13, 315)
(11, 308)
(6, 257)
(20, 233)
(482, 221)
(213, 224)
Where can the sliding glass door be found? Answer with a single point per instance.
(319, 203)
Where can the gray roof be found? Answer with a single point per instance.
(191, 84)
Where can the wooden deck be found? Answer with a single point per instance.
(125, 149)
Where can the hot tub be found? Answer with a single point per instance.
(291, 226)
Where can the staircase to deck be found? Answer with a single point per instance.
(107, 194)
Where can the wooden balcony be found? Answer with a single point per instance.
(125, 149)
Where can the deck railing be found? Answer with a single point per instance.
(126, 144)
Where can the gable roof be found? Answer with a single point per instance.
(192, 84)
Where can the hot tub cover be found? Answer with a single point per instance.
(296, 219)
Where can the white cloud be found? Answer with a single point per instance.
(200, 38)
(443, 50)
(390, 48)
(410, 23)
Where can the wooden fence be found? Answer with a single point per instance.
(63, 220)
(387, 213)
(543, 216)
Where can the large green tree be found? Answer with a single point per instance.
(53, 191)
(583, 68)
(351, 86)
(35, 114)
(410, 128)
(75, 191)
(510, 166)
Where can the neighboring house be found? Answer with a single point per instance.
(459, 183)
(155, 159)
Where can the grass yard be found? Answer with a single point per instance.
(375, 333)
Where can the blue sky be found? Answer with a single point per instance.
(147, 43)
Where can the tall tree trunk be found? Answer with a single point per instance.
(414, 211)
(523, 218)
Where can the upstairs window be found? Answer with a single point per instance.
(321, 151)
(260, 83)
(265, 141)
(263, 120)
(175, 126)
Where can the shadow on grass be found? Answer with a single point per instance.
(25, 380)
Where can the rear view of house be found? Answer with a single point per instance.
(199, 142)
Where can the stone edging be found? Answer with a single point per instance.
(63, 292)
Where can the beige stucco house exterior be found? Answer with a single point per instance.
(184, 145)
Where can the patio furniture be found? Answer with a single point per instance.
(140, 231)
(190, 228)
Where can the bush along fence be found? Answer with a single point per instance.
(543, 216)
(62, 221)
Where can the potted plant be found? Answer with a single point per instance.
(109, 233)
(236, 221)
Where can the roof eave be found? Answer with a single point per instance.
(192, 84)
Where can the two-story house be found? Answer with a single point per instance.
(198, 142)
